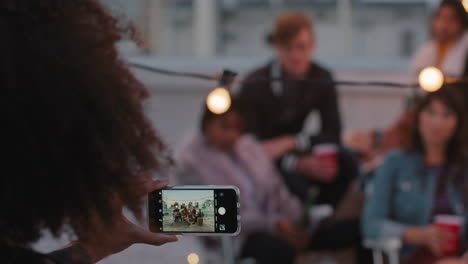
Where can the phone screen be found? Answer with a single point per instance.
(194, 210)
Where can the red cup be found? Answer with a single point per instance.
(452, 224)
(326, 152)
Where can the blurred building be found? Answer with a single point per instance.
(362, 30)
(361, 40)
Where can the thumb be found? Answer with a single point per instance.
(156, 239)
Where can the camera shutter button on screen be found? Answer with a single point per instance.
(222, 211)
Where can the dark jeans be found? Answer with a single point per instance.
(268, 249)
(330, 193)
(341, 235)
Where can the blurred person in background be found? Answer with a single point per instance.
(277, 111)
(221, 154)
(447, 50)
(448, 46)
(77, 145)
(425, 180)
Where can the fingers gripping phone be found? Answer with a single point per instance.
(195, 210)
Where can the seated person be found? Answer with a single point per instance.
(220, 154)
(194, 215)
(200, 213)
(186, 216)
(277, 112)
(447, 47)
(446, 50)
(425, 180)
(200, 216)
(176, 214)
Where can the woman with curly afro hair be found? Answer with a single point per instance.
(77, 146)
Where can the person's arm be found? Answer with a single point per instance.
(329, 116)
(278, 147)
(379, 194)
(376, 224)
(115, 237)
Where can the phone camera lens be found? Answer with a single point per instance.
(221, 194)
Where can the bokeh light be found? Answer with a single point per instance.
(193, 258)
(465, 5)
(219, 101)
(431, 79)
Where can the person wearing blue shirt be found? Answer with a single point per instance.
(428, 179)
(200, 213)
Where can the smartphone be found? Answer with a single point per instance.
(195, 210)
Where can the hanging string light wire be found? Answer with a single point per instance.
(174, 73)
(219, 100)
(312, 81)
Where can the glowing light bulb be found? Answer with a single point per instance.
(431, 79)
(193, 258)
(465, 5)
(219, 101)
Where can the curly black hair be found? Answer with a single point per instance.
(74, 133)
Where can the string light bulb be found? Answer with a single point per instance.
(219, 101)
(431, 79)
(465, 5)
(193, 258)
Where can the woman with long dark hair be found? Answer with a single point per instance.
(77, 146)
(425, 180)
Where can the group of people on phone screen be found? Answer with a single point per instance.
(189, 216)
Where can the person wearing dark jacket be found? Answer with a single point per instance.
(278, 99)
(462, 87)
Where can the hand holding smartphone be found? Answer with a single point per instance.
(195, 210)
